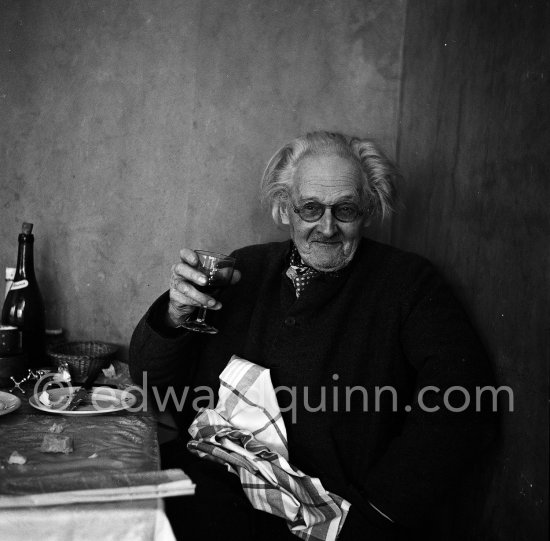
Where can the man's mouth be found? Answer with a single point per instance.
(327, 242)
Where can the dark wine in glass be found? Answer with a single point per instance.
(213, 288)
(218, 269)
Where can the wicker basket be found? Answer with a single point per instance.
(82, 356)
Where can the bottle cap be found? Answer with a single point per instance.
(10, 273)
(27, 228)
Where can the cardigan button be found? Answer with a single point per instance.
(290, 321)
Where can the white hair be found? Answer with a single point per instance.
(379, 173)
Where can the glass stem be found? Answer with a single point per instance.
(201, 315)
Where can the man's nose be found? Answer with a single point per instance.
(327, 223)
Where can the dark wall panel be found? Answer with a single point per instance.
(473, 145)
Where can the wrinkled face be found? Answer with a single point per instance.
(327, 244)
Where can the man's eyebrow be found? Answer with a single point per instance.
(345, 199)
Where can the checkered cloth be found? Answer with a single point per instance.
(246, 433)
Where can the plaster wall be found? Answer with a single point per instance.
(130, 129)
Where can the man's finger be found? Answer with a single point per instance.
(189, 256)
(180, 300)
(186, 272)
(194, 296)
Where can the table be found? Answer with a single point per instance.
(105, 446)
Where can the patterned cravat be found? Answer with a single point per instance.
(300, 273)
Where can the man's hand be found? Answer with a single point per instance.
(184, 295)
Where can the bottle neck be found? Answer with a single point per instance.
(25, 258)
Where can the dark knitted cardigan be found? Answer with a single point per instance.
(387, 319)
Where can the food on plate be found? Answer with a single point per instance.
(53, 400)
(16, 458)
(44, 397)
(54, 443)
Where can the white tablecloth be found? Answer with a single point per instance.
(121, 521)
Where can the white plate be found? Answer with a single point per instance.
(101, 400)
(8, 403)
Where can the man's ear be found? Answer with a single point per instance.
(283, 213)
(368, 218)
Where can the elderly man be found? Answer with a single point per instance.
(366, 339)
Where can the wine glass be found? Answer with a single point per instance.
(218, 269)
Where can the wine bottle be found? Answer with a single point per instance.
(10, 275)
(23, 307)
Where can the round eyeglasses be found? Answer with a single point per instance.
(343, 212)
